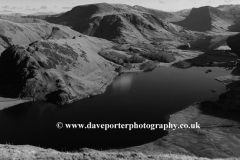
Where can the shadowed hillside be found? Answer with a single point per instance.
(234, 43)
(207, 19)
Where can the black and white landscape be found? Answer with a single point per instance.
(109, 63)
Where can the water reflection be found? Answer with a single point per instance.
(144, 98)
(123, 83)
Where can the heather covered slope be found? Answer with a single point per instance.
(55, 70)
(12, 32)
(120, 23)
(208, 19)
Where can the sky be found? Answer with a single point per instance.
(58, 6)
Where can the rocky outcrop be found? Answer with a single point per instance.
(30, 152)
(59, 71)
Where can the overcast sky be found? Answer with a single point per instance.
(33, 6)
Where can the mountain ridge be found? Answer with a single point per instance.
(122, 23)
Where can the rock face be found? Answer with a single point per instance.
(55, 70)
(17, 30)
(121, 23)
(209, 19)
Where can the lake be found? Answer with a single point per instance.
(148, 97)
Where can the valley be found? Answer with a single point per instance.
(111, 63)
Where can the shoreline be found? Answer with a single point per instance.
(9, 102)
(213, 140)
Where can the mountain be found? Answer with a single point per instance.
(208, 19)
(16, 14)
(121, 23)
(51, 62)
(234, 10)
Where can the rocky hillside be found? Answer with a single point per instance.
(55, 70)
(17, 30)
(44, 61)
(209, 19)
(121, 23)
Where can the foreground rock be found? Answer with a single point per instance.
(58, 71)
(218, 137)
(30, 152)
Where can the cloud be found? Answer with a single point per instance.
(32, 9)
(66, 7)
(5, 7)
(9, 7)
(161, 2)
(6, 11)
(43, 7)
(13, 7)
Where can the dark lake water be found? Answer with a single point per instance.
(147, 97)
